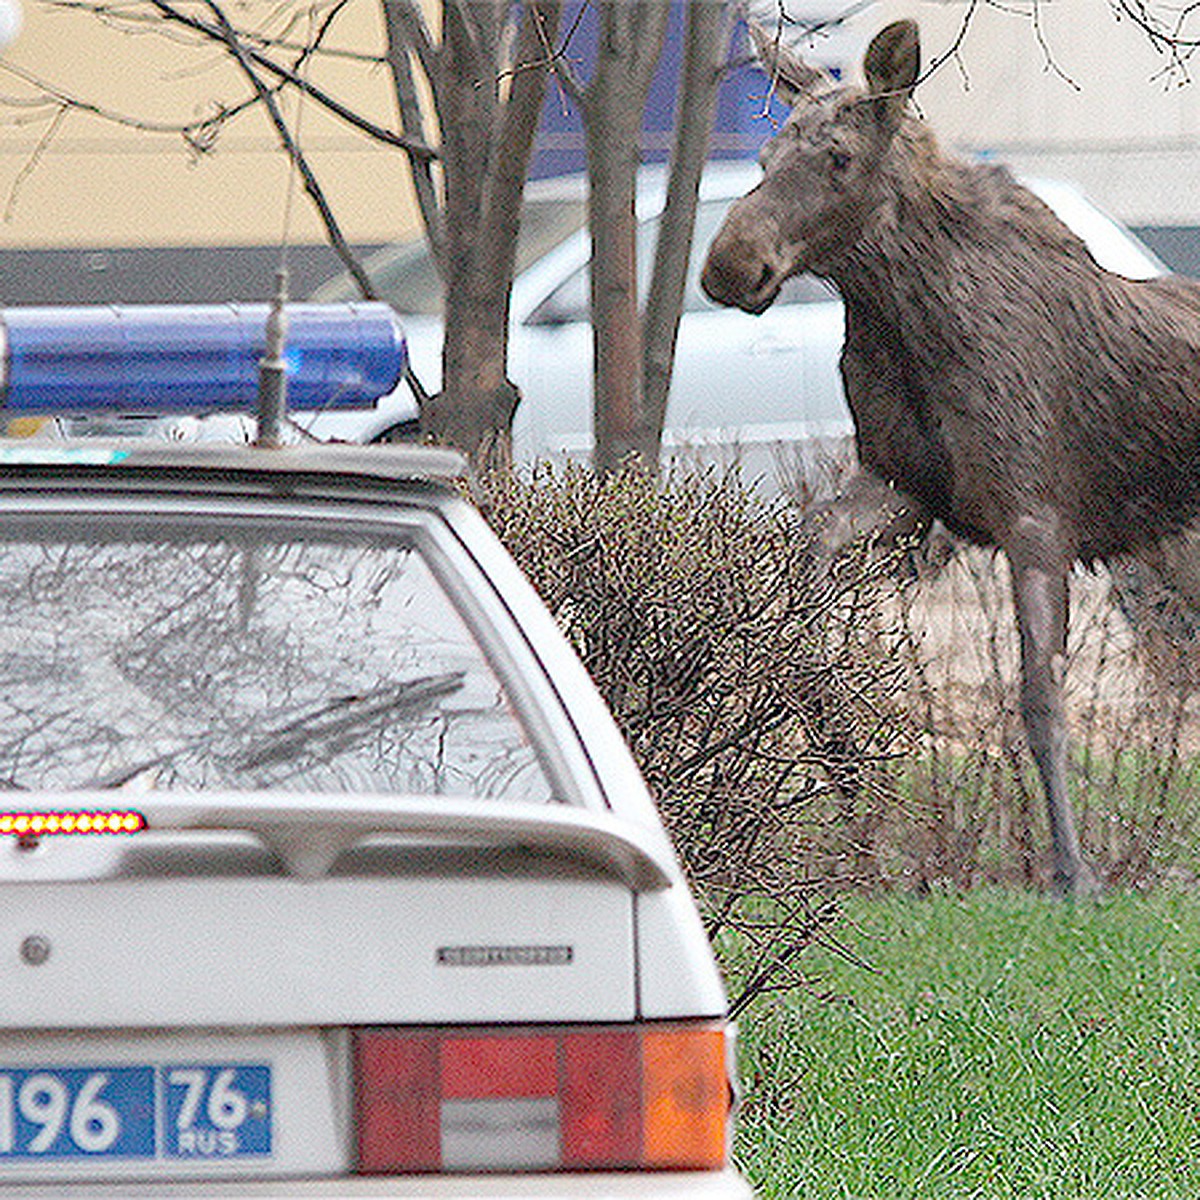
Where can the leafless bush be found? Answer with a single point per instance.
(975, 813)
(756, 694)
(807, 733)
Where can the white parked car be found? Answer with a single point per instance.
(323, 868)
(764, 388)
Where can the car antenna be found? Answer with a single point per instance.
(272, 369)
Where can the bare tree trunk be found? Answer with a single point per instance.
(706, 44)
(631, 37)
(488, 122)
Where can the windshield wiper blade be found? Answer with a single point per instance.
(320, 724)
(111, 780)
(344, 714)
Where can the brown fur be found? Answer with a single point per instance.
(1034, 376)
(999, 379)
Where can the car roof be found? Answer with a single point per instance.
(723, 179)
(203, 464)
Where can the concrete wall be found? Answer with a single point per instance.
(1075, 94)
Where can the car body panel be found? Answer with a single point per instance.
(679, 1185)
(334, 951)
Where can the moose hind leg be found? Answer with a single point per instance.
(1040, 595)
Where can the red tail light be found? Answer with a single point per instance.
(584, 1098)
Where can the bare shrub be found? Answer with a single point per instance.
(1134, 712)
(758, 696)
(805, 733)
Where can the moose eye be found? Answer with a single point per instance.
(839, 160)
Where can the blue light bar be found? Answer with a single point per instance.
(192, 359)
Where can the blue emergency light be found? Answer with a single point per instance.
(194, 358)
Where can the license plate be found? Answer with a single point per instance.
(174, 1111)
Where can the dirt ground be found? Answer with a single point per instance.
(1118, 685)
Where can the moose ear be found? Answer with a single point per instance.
(790, 75)
(891, 65)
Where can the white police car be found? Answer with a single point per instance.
(323, 868)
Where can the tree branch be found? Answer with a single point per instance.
(650, 26)
(706, 42)
(257, 58)
(406, 26)
(333, 231)
(564, 73)
(118, 17)
(515, 127)
(56, 98)
(31, 163)
(404, 29)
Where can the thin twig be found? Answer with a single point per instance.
(333, 231)
(31, 163)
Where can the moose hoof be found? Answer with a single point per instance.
(1078, 882)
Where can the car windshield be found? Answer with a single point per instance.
(238, 659)
(405, 276)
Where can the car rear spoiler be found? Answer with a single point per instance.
(309, 832)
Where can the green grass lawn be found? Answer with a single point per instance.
(1004, 1045)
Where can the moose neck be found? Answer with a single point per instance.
(949, 230)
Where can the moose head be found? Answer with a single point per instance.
(824, 170)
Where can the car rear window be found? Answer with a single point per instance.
(236, 658)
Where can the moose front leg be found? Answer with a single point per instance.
(1040, 595)
(875, 518)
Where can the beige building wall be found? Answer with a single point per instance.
(98, 183)
(1077, 94)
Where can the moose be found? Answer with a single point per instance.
(1000, 381)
